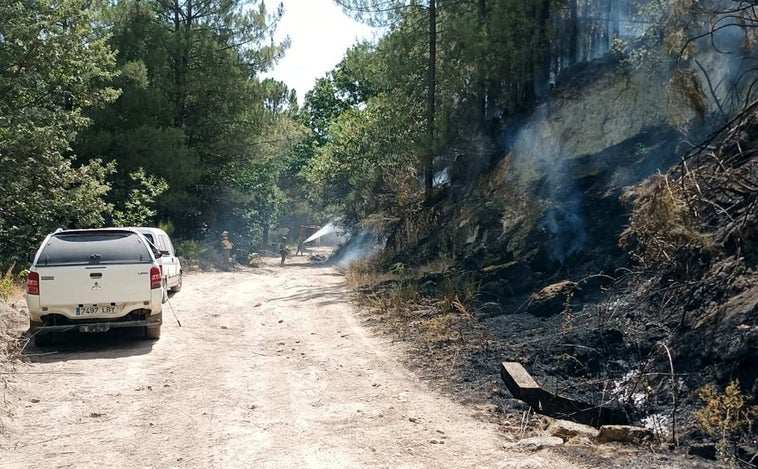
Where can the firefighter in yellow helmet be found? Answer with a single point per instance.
(226, 248)
(283, 249)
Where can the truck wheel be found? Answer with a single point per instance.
(46, 339)
(178, 287)
(165, 291)
(152, 332)
(42, 340)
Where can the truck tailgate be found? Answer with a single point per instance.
(87, 284)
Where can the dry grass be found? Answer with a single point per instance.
(438, 328)
(435, 317)
(457, 292)
(11, 345)
(11, 342)
(662, 226)
(363, 274)
(7, 283)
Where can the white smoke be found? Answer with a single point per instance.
(362, 244)
(539, 162)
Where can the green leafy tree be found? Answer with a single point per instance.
(323, 106)
(397, 12)
(366, 168)
(367, 121)
(55, 65)
(192, 110)
(138, 207)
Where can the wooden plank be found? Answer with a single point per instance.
(518, 381)
(523, 387)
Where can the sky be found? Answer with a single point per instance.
(320, 33)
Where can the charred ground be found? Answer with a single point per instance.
(655, 314)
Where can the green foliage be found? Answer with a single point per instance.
(374, 12)
(192, 252)
(233, 150)
(724, 415)
(190, 249)
(46, 194)
(367, 166)
(138, 210)
(322, 107)
(167, 226)
(55, 66)
(371, 116)
(193, 112)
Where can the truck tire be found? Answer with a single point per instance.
(42, 340)
(46, 339)
(178, 287)
(165, 291)
(152, 332)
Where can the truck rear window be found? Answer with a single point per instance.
(94, 248)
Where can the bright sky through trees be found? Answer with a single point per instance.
(320, 33)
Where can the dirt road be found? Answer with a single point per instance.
(270, 368)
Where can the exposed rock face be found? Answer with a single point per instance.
(588, 119)
(556, 191)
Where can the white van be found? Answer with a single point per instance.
(171, 268)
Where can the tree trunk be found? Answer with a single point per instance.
(614, 14)
(573, 33)
(541, 62)
(482, 83)
(180, 67)
(430, 100)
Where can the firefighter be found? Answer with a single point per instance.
(283, 249)
(300, 248)
(226, 248)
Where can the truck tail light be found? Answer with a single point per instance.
(32, 283)
(155, 277)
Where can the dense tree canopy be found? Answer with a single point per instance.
(493, 61)
(54, 65)
(192, 110)
(154, 110)
(140, 111)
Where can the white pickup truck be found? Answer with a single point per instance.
(169, 262)
(92, 281)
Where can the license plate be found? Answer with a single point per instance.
(89, 310)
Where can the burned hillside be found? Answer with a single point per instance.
(614, 261)
(655, 317)
(693, 235)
